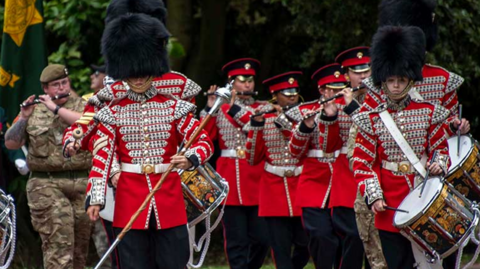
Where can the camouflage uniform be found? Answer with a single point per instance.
(56, 190)
(365, 218)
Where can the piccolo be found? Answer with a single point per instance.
(336, 96)
(272, 111)
(255, 93)
(37, 101)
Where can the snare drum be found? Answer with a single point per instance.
(464, 172)
(203, 191)
(438, 222)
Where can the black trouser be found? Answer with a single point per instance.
(344, 223)
(246, 237)
(285, 232)
(111, 237)
(450, 261)
(397, 250)
(323, 243)
(154, 249)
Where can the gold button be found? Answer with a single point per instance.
(144, 112)
(145, 128)
(147, 137)
(146, 120)
(145, 152)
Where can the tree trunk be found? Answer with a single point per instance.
(179, 23)
(209, 50)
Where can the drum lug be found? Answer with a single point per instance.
(472, 181)
(440, 229)
(192, 196)
(454, 205)
(457, 193)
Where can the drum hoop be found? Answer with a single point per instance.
(213, 206)
(419, 214)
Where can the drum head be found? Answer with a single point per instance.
(107, 212)
(465, 149)
(416, 206)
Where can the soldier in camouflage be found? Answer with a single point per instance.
(56, 188)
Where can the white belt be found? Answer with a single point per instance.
(404, 167)
(145, 169)
(230, 153)
(284, 171)
(343, 150)
(317, 153)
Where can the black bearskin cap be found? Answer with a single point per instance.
(397, 51)
(154, 8)
(134, 46)
(418, 13)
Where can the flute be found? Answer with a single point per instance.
(37, 101)
(272, 111)
(336, 96)
(255, 93)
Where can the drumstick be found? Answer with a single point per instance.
(458, 131)
(395, 209)
(426, 176)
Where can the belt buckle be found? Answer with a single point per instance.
(240, 153)
(404, 168)
(148, 169)
(288, 173)
(328, 155)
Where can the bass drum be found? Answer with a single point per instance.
(464, 172)
(203, 191)
(107, 212)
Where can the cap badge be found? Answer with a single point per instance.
(66, 71)
(247, 66)
(336, 74)
(291, 80)
(359, 55)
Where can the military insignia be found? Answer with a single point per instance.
(336, 74)
(291, 80)
(240, 153)
(247, 66)
(360, 55)
(289, 173)
(66, 71)
(19, 15)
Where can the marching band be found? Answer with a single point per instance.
(379, 172)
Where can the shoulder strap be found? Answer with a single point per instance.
(402, 143)
(415, 94)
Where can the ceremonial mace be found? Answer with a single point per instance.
(223, 96)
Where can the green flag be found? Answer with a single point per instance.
(23, 54)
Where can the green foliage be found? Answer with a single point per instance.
(78, 24)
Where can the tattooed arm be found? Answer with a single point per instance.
(15, 137)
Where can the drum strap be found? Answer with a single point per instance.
(402, 143)
(415, 94)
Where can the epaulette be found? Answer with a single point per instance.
(368, 82)
(105, 115)
(440, 114)
(363, 120)
(87, 96)
(182, 108)
(191, 89)
(105, 94)
(454, 82)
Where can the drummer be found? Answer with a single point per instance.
(398, 55)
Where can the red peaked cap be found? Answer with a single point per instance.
(332, 73)
(358, 56)
(283, 81)
(244, 66)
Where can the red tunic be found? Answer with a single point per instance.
(315, 182)
(173, 84)
(227, 127)
(144, 129)
(422, 125)
(277, 193)
(439, 86)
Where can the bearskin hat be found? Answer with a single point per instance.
(418, 13)
(397, 51)
(134, 45)
(154, 8)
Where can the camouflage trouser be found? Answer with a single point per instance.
(58, 215)
(369, 234)
(100, 239)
